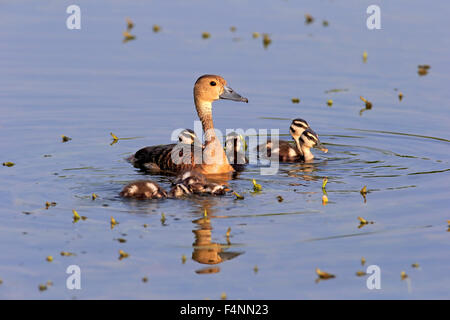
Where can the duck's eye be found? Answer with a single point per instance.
(212, 83)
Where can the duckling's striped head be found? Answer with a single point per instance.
(187, 136)
(310, 139)
(210, 87)
(298, 126)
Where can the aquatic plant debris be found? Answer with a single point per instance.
(266, 40)
(309, 18)
(228, 232)
(325, 23)
(114, 136)
(324, 275)
(363, 192)
(113, 222)
(256, 187)
(364, 56)
(42, 287)
(233, 29)
(255, 269)
(423, 69)
(76, 216)
(123, 255)
(367, 103)
(163, 218)
(67, 254)
(128, 36)
(363, 222)
(360, 273)
(65, 138)
(8, 164)
(156, 28)
(295, 100)
(49, 204)
(130, 24)
(238, 196)
(324, 199)
(324, 183)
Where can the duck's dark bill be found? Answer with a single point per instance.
(229, 94)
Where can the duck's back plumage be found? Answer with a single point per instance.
(159, 158)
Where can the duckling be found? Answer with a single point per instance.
(188, 136)
(309, 139)
(235, 152)
(195, 182)
(285, 149)
(212, 159)
(143, 189)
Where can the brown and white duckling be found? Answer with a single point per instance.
(143, 189)
(285, 148)
(188, 136)
(235, 151)
(207, 89)
(309, 139)
(197, 183)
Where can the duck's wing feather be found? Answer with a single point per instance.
(160, 158)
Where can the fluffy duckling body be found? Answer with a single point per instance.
(196, 183)
(286, 150)
(143, 189)
(211, 159)
(187, 183)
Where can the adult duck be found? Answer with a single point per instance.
(208, 160)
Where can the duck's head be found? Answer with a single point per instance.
(310, 139)
(298, 126)
(210, 88)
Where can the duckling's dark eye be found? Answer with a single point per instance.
(213, 83)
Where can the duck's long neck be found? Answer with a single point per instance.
(214, 151)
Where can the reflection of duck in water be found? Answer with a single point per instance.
(207, 89)
(206, 251)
